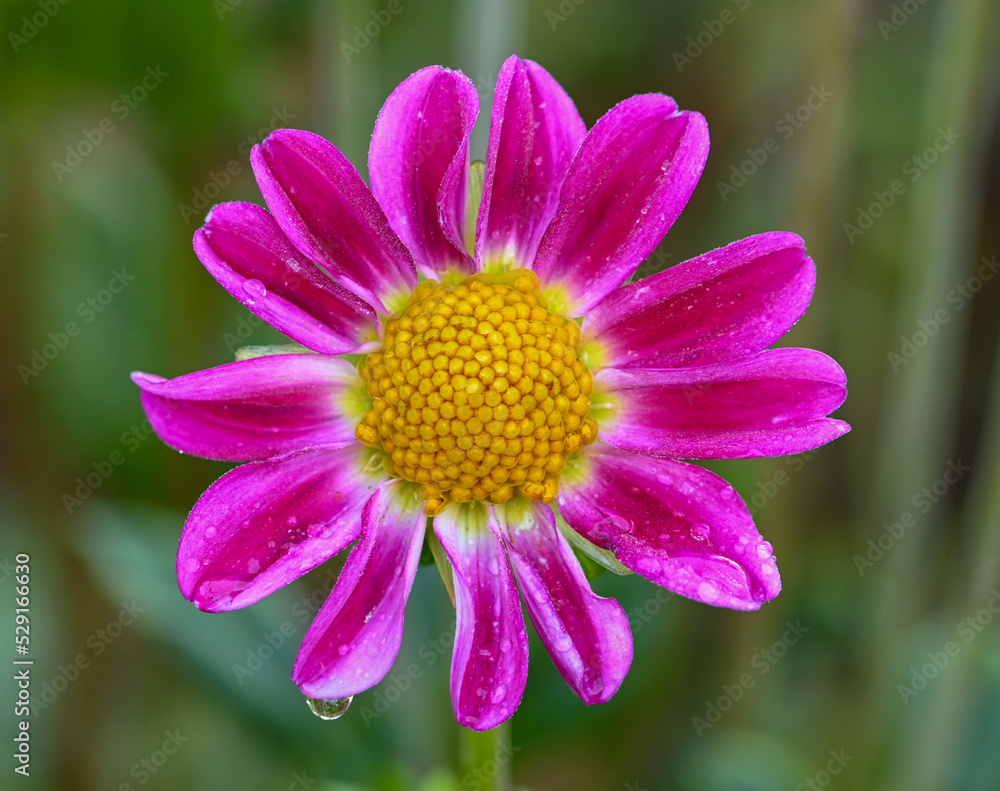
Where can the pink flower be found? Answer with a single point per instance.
(505, 382)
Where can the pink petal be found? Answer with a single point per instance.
(629, 181)
(720, 306)
(264, 524)
(768, 404)
(254, 409)
(328, 212)
(534, 134)
(490, 665)
(419, 166)
(587, 636)
(244, 249)
(356, 635)
(676, 524)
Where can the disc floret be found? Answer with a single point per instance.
(478, 391)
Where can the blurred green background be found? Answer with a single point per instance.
(878, 667)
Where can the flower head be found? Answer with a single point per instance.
(471, 354)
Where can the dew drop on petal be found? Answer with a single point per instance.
(700, 531)
(210, 532)
(344, 650)
(647, 565)
(707, 592)
(498, 694)
(253, 566)
(255, 289)
(764, 550)
(728, 492)
(193, 564)
(292, 521)
(329, 709)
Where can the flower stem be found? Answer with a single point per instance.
(486, 757)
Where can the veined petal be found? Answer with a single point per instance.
(327, 211)
(489, 667)
(534, 133)
(243, 248)
(264, 524)
(768, 404)
(418, 164)
(356, 635)
(587, 636)
(629, 181)
(720, 306)
(676, 524)
(254, 409)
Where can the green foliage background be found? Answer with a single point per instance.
(895, 76)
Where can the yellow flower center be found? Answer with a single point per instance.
(478, 391)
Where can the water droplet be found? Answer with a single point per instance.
(563, 643)
(193, 564)
(498, 694)
(219, 589)
(700, 532)
(344, 650)
(292, 521)
(538, 161)
(728, 492)
(707, 592)
(210, 532)
(253, 566)
(255, 289)
(764, 550)
(505, 646)
(647, 566)
(329, 709)
(494, 566)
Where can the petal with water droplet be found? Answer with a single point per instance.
(366, 607)
(708, 553)
(233, 552)
(469, 535)
(587, 636)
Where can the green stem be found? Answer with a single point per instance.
(486, 757)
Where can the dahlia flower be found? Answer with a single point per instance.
(473, 369)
